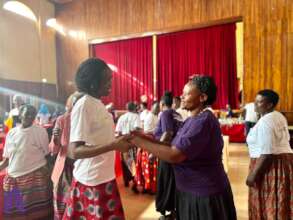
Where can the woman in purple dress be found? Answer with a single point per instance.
(168, 125)
(203, 188)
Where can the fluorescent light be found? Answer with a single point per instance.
(20, 9)
(53, 24)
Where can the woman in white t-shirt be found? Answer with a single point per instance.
(271, 168)
(27, 188)
(127, 123)
(94, 192)
(144, 112)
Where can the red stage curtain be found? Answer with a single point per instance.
(131, 62)
(210, 51)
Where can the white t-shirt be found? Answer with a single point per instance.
(150, 123)
(93, 124)
(269, 136)
(250, 114)
(143, 114)
(26, 149)
(128, 122)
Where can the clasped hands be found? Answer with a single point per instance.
(125, 142)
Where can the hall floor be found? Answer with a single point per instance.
(142, 207)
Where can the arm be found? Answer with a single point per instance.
(4, 163)
(261, 166)
(78, 150)
(55, 143)
(160, 150)
(167, 137)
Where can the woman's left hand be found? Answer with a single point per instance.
(251, 180)
(123, 143)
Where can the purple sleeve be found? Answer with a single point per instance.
(192, 139)
(167, 122)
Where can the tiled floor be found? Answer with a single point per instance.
(142, 207)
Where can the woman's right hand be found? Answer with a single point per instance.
(57, 136)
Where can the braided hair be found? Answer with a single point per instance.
(206, 85)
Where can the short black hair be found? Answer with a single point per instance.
(131, 106)
(29, 108)
(90, 75)
(270, 95)
(206, 85)
(144, 104)
(167, 99)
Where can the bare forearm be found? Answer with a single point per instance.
(4, 164)
(166, 137)
(163, 151)
(84, 151)
(261, 165)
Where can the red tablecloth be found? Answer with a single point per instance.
(236, 132)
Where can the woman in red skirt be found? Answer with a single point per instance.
(94, 193)
(271, 168)
(63, 167)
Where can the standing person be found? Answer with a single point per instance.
(94, 193)
(176, 103)
(144, 112)
(271, 166)
(43, 115)
(146, 163)
(27, 187)
(165, 131)
(13, 118)
(127, 123)
(229, 112)
(62, 172)
(151, 120)
(250, 117)
(203, 188)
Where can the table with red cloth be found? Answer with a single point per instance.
(236, 132)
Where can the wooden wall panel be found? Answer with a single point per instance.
(268, 34)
